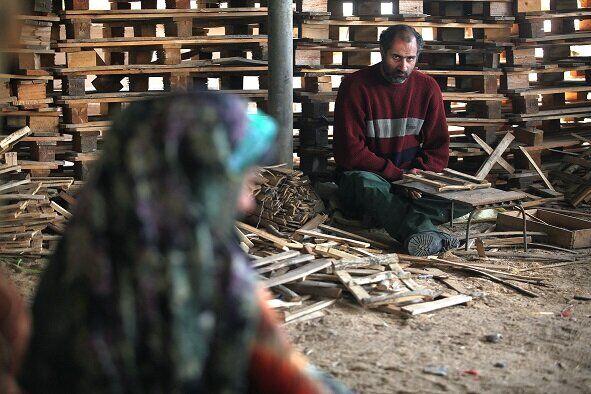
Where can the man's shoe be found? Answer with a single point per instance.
(430, 243)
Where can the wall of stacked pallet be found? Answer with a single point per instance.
(139, 49)
(483, 55)
(33, 204)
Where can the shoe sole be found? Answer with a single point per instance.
(424, 244)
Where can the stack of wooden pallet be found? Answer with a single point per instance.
(25, 91)
(561, 77)
(463, 57)
(33, 209)
(136, 51)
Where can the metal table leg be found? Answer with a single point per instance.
(468, 226)
(520, 207)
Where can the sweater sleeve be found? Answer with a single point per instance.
(434, 153)
(350, 148)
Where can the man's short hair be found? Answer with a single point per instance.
(402, 32)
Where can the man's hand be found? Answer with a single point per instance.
(414, 194)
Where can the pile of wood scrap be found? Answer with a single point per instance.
(33, 210)
(285, 200)
(377, 282)
(575, 175)
(328, 263)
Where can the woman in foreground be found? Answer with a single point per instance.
(148, 292)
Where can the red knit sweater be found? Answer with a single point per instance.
(386, 128)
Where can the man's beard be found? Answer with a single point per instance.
(395, 76)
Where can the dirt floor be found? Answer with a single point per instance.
(544, 343)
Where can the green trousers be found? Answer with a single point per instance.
(365, 193)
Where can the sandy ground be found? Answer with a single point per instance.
(372, 352)
(540, 350)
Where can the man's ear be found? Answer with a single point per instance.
(383, 54)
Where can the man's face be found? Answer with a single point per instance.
(399, 61)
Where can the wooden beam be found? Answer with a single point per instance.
(494, 156)
(537, 168)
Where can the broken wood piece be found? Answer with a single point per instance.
(402, 297)
(494, 156)
(360, 294)
(310, 316)
(290, 316)
(480, 247)
(551, 247)
(243, 238)
(431, 306)
(489, 150)
(311, 224)
(302, 258)
(265, 235)
(360, 262)
(333, 252)
(375, 278)
(537, 168)
(315, 288)
(489, 243)
(506, 233)
(335, 238)
(13, 138)
(461, 175)
(60, 210)
(408, 282)
(277, 303)
(298, 273)
(274, 258)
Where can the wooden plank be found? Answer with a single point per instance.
(357, 262)
(14, 137)
(461, 175)
(116, 42)
(502, 162)
(332, 252)
(431, 306)
(494, 156)
(537, 168)
(289, 316)
(270, 237)
(360, 294)
(298, 273)
(375, 278)
(311, 224)
(286, 263)
(274, 258)
(335, 238)
(318, 289)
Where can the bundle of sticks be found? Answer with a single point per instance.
(285, 200)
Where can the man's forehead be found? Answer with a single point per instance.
(403, 47)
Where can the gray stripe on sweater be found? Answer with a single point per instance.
(390, 128)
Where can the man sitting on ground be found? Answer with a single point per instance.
(390, 120)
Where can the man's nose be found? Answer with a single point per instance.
(403, 66)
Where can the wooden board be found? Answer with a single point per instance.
(298, 273)
(425, 307)
(479, 197)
